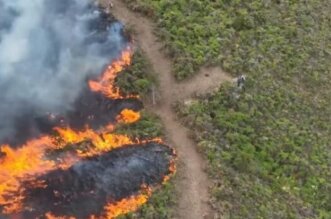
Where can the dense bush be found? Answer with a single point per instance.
(268, 145)
(138, 77)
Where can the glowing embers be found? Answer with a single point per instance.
(105, 186)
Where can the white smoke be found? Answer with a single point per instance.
(47, 50)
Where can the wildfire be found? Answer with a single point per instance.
(17, 164)
(128, 116)
(113, 210)
(172, 170)
(127, 205)
(105, 84)
(51, 216)
(32, 159)
(101, 142)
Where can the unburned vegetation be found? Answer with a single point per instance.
(268, 145)
(137, 78)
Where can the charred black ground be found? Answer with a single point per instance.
(89, 185)
(92, 109)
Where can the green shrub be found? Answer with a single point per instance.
(138, 77)
(269, 145)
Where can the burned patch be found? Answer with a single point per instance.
(86, 187)
(91, 109)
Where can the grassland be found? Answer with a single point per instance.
(268, 146)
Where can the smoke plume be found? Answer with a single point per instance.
(48, 49)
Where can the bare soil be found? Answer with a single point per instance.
(193, 183)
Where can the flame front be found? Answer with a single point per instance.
(128, 116)
(105, 84)
(126, 205)
(31, 159)
(20, 163)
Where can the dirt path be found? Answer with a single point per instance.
(193, 184)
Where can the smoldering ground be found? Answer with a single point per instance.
(47, 51)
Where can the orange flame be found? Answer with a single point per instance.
(172, 171)
(30, 160)
(113, 210)
(51, 216)
(101, 142)
(106, 83)
(20, 163)
(128, 116)
(125, 206)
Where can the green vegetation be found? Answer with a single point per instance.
(137, 78)
(268, 145)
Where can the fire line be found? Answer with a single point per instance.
(32, 160)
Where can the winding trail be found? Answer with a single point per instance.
(193, 183)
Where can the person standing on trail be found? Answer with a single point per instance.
(241, 81)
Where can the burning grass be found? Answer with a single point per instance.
(86, 171)
(115, 182)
